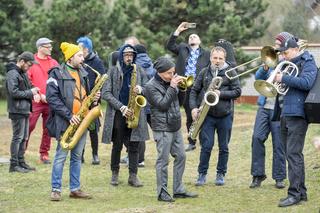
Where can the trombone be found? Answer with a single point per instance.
(269, 56)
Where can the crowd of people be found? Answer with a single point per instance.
(36, 84)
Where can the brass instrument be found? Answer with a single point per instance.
(211, 98)
(269, 57)
(74, 132)
(270, 88)
(186, 82)
(136, 102)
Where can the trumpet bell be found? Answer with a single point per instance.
(265, 88)
(186, 82)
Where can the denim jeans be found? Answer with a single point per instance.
(223, 127)
(20, 129)
(262, 128)
(75, 165)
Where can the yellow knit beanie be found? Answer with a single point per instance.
(69, 50)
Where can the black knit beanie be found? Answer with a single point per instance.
(163, 64)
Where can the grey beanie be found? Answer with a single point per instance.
(163, 64)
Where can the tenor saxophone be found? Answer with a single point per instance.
(211, 98)
(74, 132)
(136, 102)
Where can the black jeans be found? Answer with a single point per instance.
(293, 133)
(20, 131)
(120, 135)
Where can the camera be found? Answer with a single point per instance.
(191, 25)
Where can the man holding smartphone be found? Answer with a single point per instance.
(191, 59)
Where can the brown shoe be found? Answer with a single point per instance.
(55, 196)
(80, 194)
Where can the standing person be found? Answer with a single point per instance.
(38, 75)
(264, 124)
(92, 59)
(162, 93)
(19, 99)
(293, 121)
(67, 88)
(116, 92)
(191, 59)
(219, 117)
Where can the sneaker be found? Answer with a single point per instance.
(18, 169)
(280, 184)
(201, 180)
(190, 147)
(45, 159)
(124, 160)
(256, 181)
(27, 167)
(55, 196)
(141, 164)
(219, 180)
(95, 160)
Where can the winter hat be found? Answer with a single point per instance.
(283, 36)
(289, 43)
(69, 50)
(86, 42)
(163, 64)
(27, 57)
(140, 48)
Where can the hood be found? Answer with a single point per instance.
(12, 66)
(91, 56)
(121, 54)
(143, 60)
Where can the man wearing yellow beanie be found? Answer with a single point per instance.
(67, 88)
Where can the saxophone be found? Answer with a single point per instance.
(136, 102)
(74, 132)
(211, 98)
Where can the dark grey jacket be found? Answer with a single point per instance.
(110, 93)
(229, 90)
(19, 94)
(165, 108)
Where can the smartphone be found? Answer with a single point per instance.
(191, 25)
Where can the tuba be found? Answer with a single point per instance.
(270, 88)
(185, 83)
(136, 102)
(74, 132)
(211, 98)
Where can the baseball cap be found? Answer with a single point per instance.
(27, 56)
(286, 44)
(42, 41)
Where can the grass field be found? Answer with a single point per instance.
(30, 192)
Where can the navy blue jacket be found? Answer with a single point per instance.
(95, 62)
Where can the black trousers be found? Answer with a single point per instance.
(121, 135)
(293, 133)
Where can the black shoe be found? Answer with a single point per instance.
(95, 160)
(185, 195)
(18, 169)
(304, 198)
(27, 167)
(165, 196)
(256, 181)
(288, 201)
(280, 184)
(190, 147)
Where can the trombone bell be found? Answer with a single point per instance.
(265, 88)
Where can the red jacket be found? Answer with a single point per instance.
(38, 73)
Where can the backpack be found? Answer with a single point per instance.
(312, 102)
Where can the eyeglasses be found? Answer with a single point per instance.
(48, 47)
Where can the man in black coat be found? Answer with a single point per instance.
(191, 59)
(19, 97)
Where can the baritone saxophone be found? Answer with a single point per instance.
(74, 132)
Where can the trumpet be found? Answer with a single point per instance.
(269, 57)
(187, 81)
(270, 88)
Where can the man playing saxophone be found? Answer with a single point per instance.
(67, 88)
(219, 117)
(126, 79)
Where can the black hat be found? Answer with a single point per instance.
(27, 56)
(288, 43)
(163, 64)
(140, 48)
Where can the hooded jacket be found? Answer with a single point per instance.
(19, 94)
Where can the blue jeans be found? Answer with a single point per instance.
(75, 165)
(223, 127)
(262, 128)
